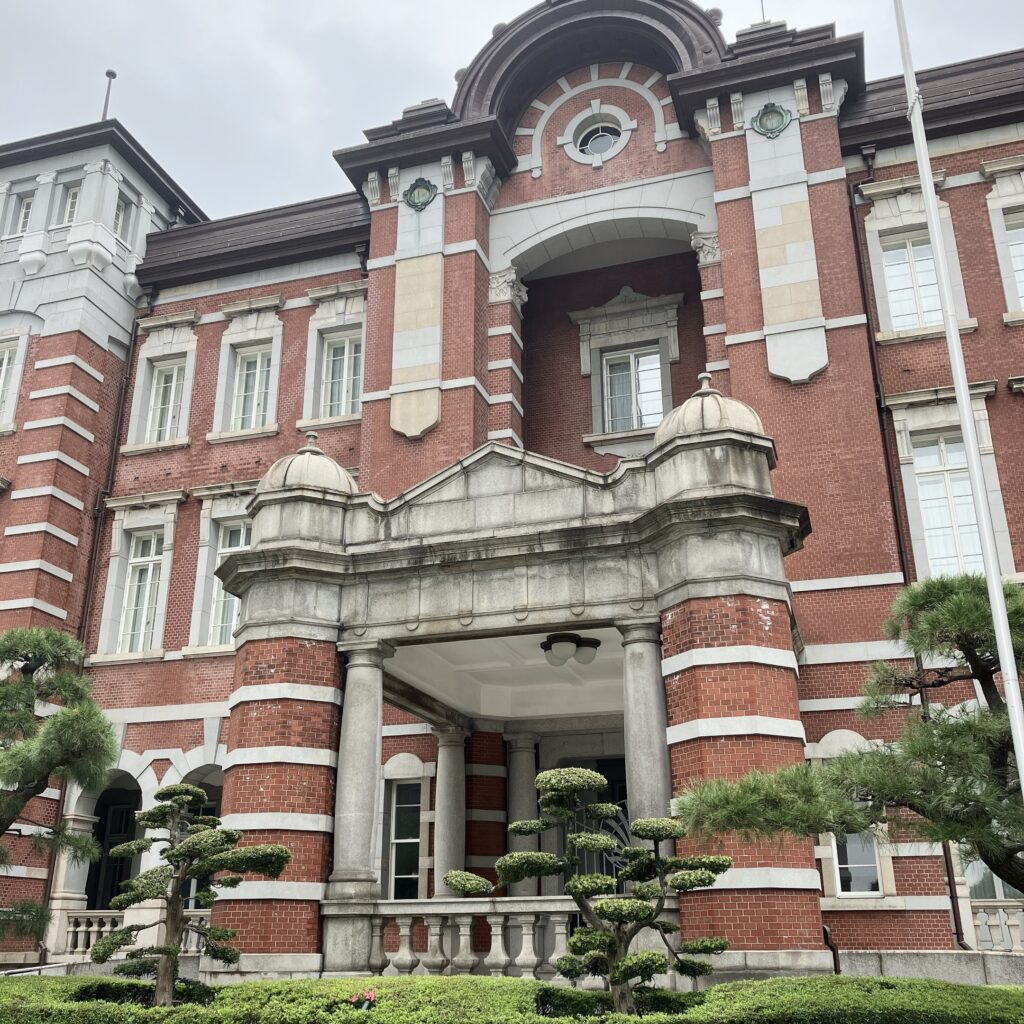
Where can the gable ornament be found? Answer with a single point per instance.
(420, 194)
(771, 120)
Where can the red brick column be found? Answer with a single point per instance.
(486, 810)
(282, 739)
(731, 694)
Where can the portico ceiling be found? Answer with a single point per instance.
(508, 677)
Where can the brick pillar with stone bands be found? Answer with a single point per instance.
(282, 742)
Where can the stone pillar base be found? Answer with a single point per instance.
(347, 938)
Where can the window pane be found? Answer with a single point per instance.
(648, 383)
(407, 859)
(856, 865)
(1015, 236)
(406, 888)
(407, 822)
(407, 793)
(981, 881)
(226, 607)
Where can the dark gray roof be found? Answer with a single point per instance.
(957, 97)
(110, 133)
(252, 241)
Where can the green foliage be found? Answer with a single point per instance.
(705, 947)
(684, 881)
(647, 890)
(467, 883)
(624, 910)
(953, 769)
(570, 780)
(569, 967)
(643, 966)
(657, 830)
(522, 864)
(531, 827)
(586, 886)
(595, 842)
(25, 919)
(602, 812)
(586, 938)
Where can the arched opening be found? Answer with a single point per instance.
(210, 779)
(115, 824)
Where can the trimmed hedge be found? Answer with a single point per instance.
(462, 1000)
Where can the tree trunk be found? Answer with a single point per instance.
(167, 964)
(1007, 866)
(622, 999)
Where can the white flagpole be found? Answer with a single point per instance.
(993, 576)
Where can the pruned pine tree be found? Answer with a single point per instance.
(952, 769)
(613, 921)
(70, 742)
(195, 849)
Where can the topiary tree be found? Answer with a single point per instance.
(74, 743)
(198, 849)
(602, 946)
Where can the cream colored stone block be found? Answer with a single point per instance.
(772, 256)
(784, 234)
(412, 374)
(796, 213)
(416, 413)
(785, 304)
(419, 291)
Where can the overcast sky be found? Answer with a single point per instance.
(242, 101)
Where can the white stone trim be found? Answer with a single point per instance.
(280, 755)
(252, 329)
(717, 364)
(62, 457)
(865, 650)
(54, 531)
(915, 849)
(166, 343)
(65, 389)
(506, 364)
(278, 821)
(819, 704)
(739, 654)
(18, 342)
(49, 492)
(45, 364)
(881, 579)
(712, 293)
(768, 878)
(744, 338)
(37, 564)
(497, 332)
(1007, 195)
(20, 871)
(340, 311)
(729, 195)
(18, 603)
(481, 862)
(312, 892)
(472, 814)
(167, 713)
(494, 771)
(60, 421)
(283, 691)
(411, 729)
(740, 725)
(712, 330)
(862, 903)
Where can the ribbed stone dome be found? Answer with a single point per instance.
(308, 469)
(708, 410)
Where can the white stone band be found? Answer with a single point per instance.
(882, 579)
(284, 691)
(311, 891)
(866, 650)
(741, 725)
(278, 822)
(280, 755)
(767, 878)
(777, 657)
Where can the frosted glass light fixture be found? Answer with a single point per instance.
(560, 647)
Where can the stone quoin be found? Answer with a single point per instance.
(636, 340)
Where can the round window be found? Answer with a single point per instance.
(599, 140)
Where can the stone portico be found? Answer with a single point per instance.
(677, 554)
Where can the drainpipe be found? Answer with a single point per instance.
(868, 154)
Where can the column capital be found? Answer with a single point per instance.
(447, 737)
(521, 740)
(639, 632)
(371, 655)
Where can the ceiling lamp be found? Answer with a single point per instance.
(560, 647)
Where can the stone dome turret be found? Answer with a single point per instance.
(708, 409)
(309, 469)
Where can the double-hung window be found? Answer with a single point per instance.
(8, 354)
(342, 385)
(947, 508)
(69, 205)
(232, 537)
(1015, 238)
(23, 213)
(165, 401)
(405, 840)
(252, 389)
(856, 861)
(911, 284)
(122, 216)
(138, 620)
(632, 390)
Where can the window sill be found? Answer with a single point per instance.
(226, 436)
(923, 333)
(121, 659)
(619, 435)
(626, 444)
(1014, 319)
(7, 429)
(1016, 385)
(863, 903)
(149, 447)
(213, 651)
(329, 421)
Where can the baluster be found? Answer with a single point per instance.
(434, 960)
(378, 958)
(497, 958)
(556, 935)
(87, 937)
(405, 960)
(527, 961)
(466, 959)
(983, 926)
(72, 937)
(1013, 928)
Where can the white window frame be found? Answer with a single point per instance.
(945, 471)
(122, 223)
(13, 349)
(221, 598)
(351, 382)
(136, 515)
(22, 212)
(404, 768)
(910, 246)
(857, 893)
(70, 203)
(340, 313)
(169, 343)
(1006, 202)
(394, 843)
(255, 417)
(933, 411)
(175, 368)
(1014, 221)
(633, 355)
(248, 332)
(898, 212)
(149, 567)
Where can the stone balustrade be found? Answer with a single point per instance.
(82, 929)
(997, 924)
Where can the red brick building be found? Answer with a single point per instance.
(495, 338)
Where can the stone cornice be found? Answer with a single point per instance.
(1004, 165)
(146, 500)
(933, 396)
(153, 323)
(874, 190)
(256, 305)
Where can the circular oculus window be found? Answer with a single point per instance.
(599, 140)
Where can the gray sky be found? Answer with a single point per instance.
(242, 101)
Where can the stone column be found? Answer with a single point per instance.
(522, 800)
(450, 808)
(648, 781)
(359, 751)
(69, 881)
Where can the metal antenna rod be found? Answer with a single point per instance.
(763, 17)
(111, 75)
